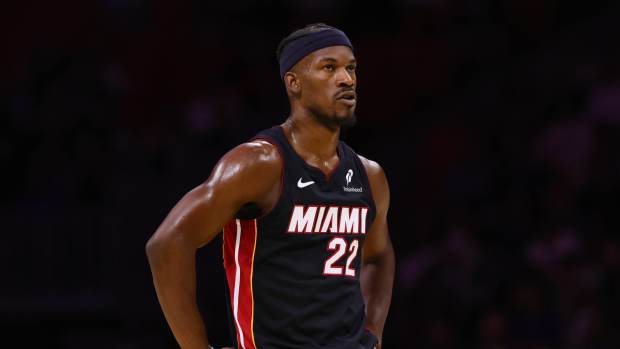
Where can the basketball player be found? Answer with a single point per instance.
(307, 255)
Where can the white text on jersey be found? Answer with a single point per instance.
(328, 219)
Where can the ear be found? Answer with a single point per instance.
(293, 84)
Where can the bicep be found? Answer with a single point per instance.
(378, 238)
(200, 215)
(377, 241)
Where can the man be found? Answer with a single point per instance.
(308, 259)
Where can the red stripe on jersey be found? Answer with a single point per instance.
(239, 247)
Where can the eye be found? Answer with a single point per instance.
(351, 68)
(329, 67)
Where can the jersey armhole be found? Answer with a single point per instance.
(281, 155)
(371, 194)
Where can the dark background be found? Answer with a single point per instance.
(497, 123)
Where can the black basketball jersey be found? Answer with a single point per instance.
(293, 273)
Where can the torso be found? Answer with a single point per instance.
(293, 272)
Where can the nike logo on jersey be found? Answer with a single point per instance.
(301, 184)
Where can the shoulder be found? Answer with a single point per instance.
(259, 150)
(373, 169)
(255, 153)
(255, 162)
(250, 172)
(378, 182)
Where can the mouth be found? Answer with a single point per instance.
(348, 98)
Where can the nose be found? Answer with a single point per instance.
(345, 79)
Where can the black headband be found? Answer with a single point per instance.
(294, 51)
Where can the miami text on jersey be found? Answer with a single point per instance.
(328, 219)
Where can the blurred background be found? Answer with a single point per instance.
(497, 123)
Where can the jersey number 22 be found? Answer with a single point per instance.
(340, 246)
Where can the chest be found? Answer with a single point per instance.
(314, 203)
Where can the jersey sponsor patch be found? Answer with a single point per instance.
(313, 219)
(349, 189)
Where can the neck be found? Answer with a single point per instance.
(315, 141)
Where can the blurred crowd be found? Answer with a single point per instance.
(497, 123)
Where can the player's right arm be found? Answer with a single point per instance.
(250, 173)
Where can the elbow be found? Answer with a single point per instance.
(384, 256)
(164, 245)
(154, 248)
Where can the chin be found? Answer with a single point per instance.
(348, 120)
(340, 118)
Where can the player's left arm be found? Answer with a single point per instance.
(377, 276)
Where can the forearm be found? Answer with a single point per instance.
(377, 281)
(173, 266)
